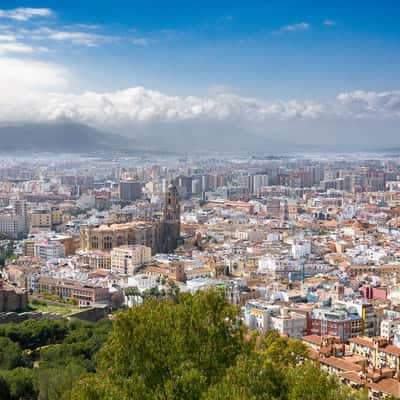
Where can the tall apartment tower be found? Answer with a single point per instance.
(20, 208)
(171, 220)
(130, 190)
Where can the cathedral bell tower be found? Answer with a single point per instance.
(171, 220)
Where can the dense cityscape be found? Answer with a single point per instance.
(199, 200)
(307, 246)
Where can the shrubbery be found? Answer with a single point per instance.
(189, 347)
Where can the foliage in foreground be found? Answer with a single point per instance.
(43, 359)
(198, 350)
(185, 348)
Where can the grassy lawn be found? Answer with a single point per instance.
(63, 309)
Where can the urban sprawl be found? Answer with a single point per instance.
(307, 245)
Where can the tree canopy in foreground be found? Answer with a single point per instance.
(197, 348)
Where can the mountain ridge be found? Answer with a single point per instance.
(59, 137)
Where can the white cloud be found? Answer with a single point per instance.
(27, 78)
(15, 47)
(139, 105)
(9, 44)
(7, 38)
(329, 22)
(25, 13)
(81, 38)
(125, 108)
(84, 26)
(142, 41)
(362, 104)
(38, 91)
(301, 26)
(73, 37)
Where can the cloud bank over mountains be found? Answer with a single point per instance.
(38, 91)
(360, 118)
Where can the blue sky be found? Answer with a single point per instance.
(265, 50)
(194, 46)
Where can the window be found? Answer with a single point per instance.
(107, 243)
(95, 242)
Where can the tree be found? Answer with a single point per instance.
(283, 350)
(66, 351)
(308, 382)
(173, 291)
(6, 252)
(56, 383)
(4, 391)
(166, 350)
(21, 384)
(251, 378)
(10, 354)
(31, 334)
(117, 300)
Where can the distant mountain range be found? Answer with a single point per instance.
(176, 138)
(201, 137)
(183, 137)
(60, 137)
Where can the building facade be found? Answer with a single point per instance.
(161, 235)
(126, 260)
(130, 190)
(84, 292)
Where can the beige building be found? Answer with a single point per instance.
(107, 237)
(127, 259)
(45, 218)
(378, 352)
(56, 216)
(161, 235)
(28, 247)
(95, 259)
(40, 219)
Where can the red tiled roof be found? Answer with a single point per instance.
(388, 386)
(314, 339)
(341, 364)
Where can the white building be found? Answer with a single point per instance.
(389, 327)
(291, 324)
(143, 282)
(126, 260)
(258, 181)
(49, 250)
(301, 249)
(251, 235)
(268, 263)
(86, 201)
(265, 317)
(12, 225)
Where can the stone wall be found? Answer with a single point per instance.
(11, 300)
(91, 314)
(13, 317)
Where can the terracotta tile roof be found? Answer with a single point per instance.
(388, 386)
(341, 364)
(390, 349)
(364, 341)
(353, 377)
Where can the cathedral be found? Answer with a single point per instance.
(162, 235)
(171, 224)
